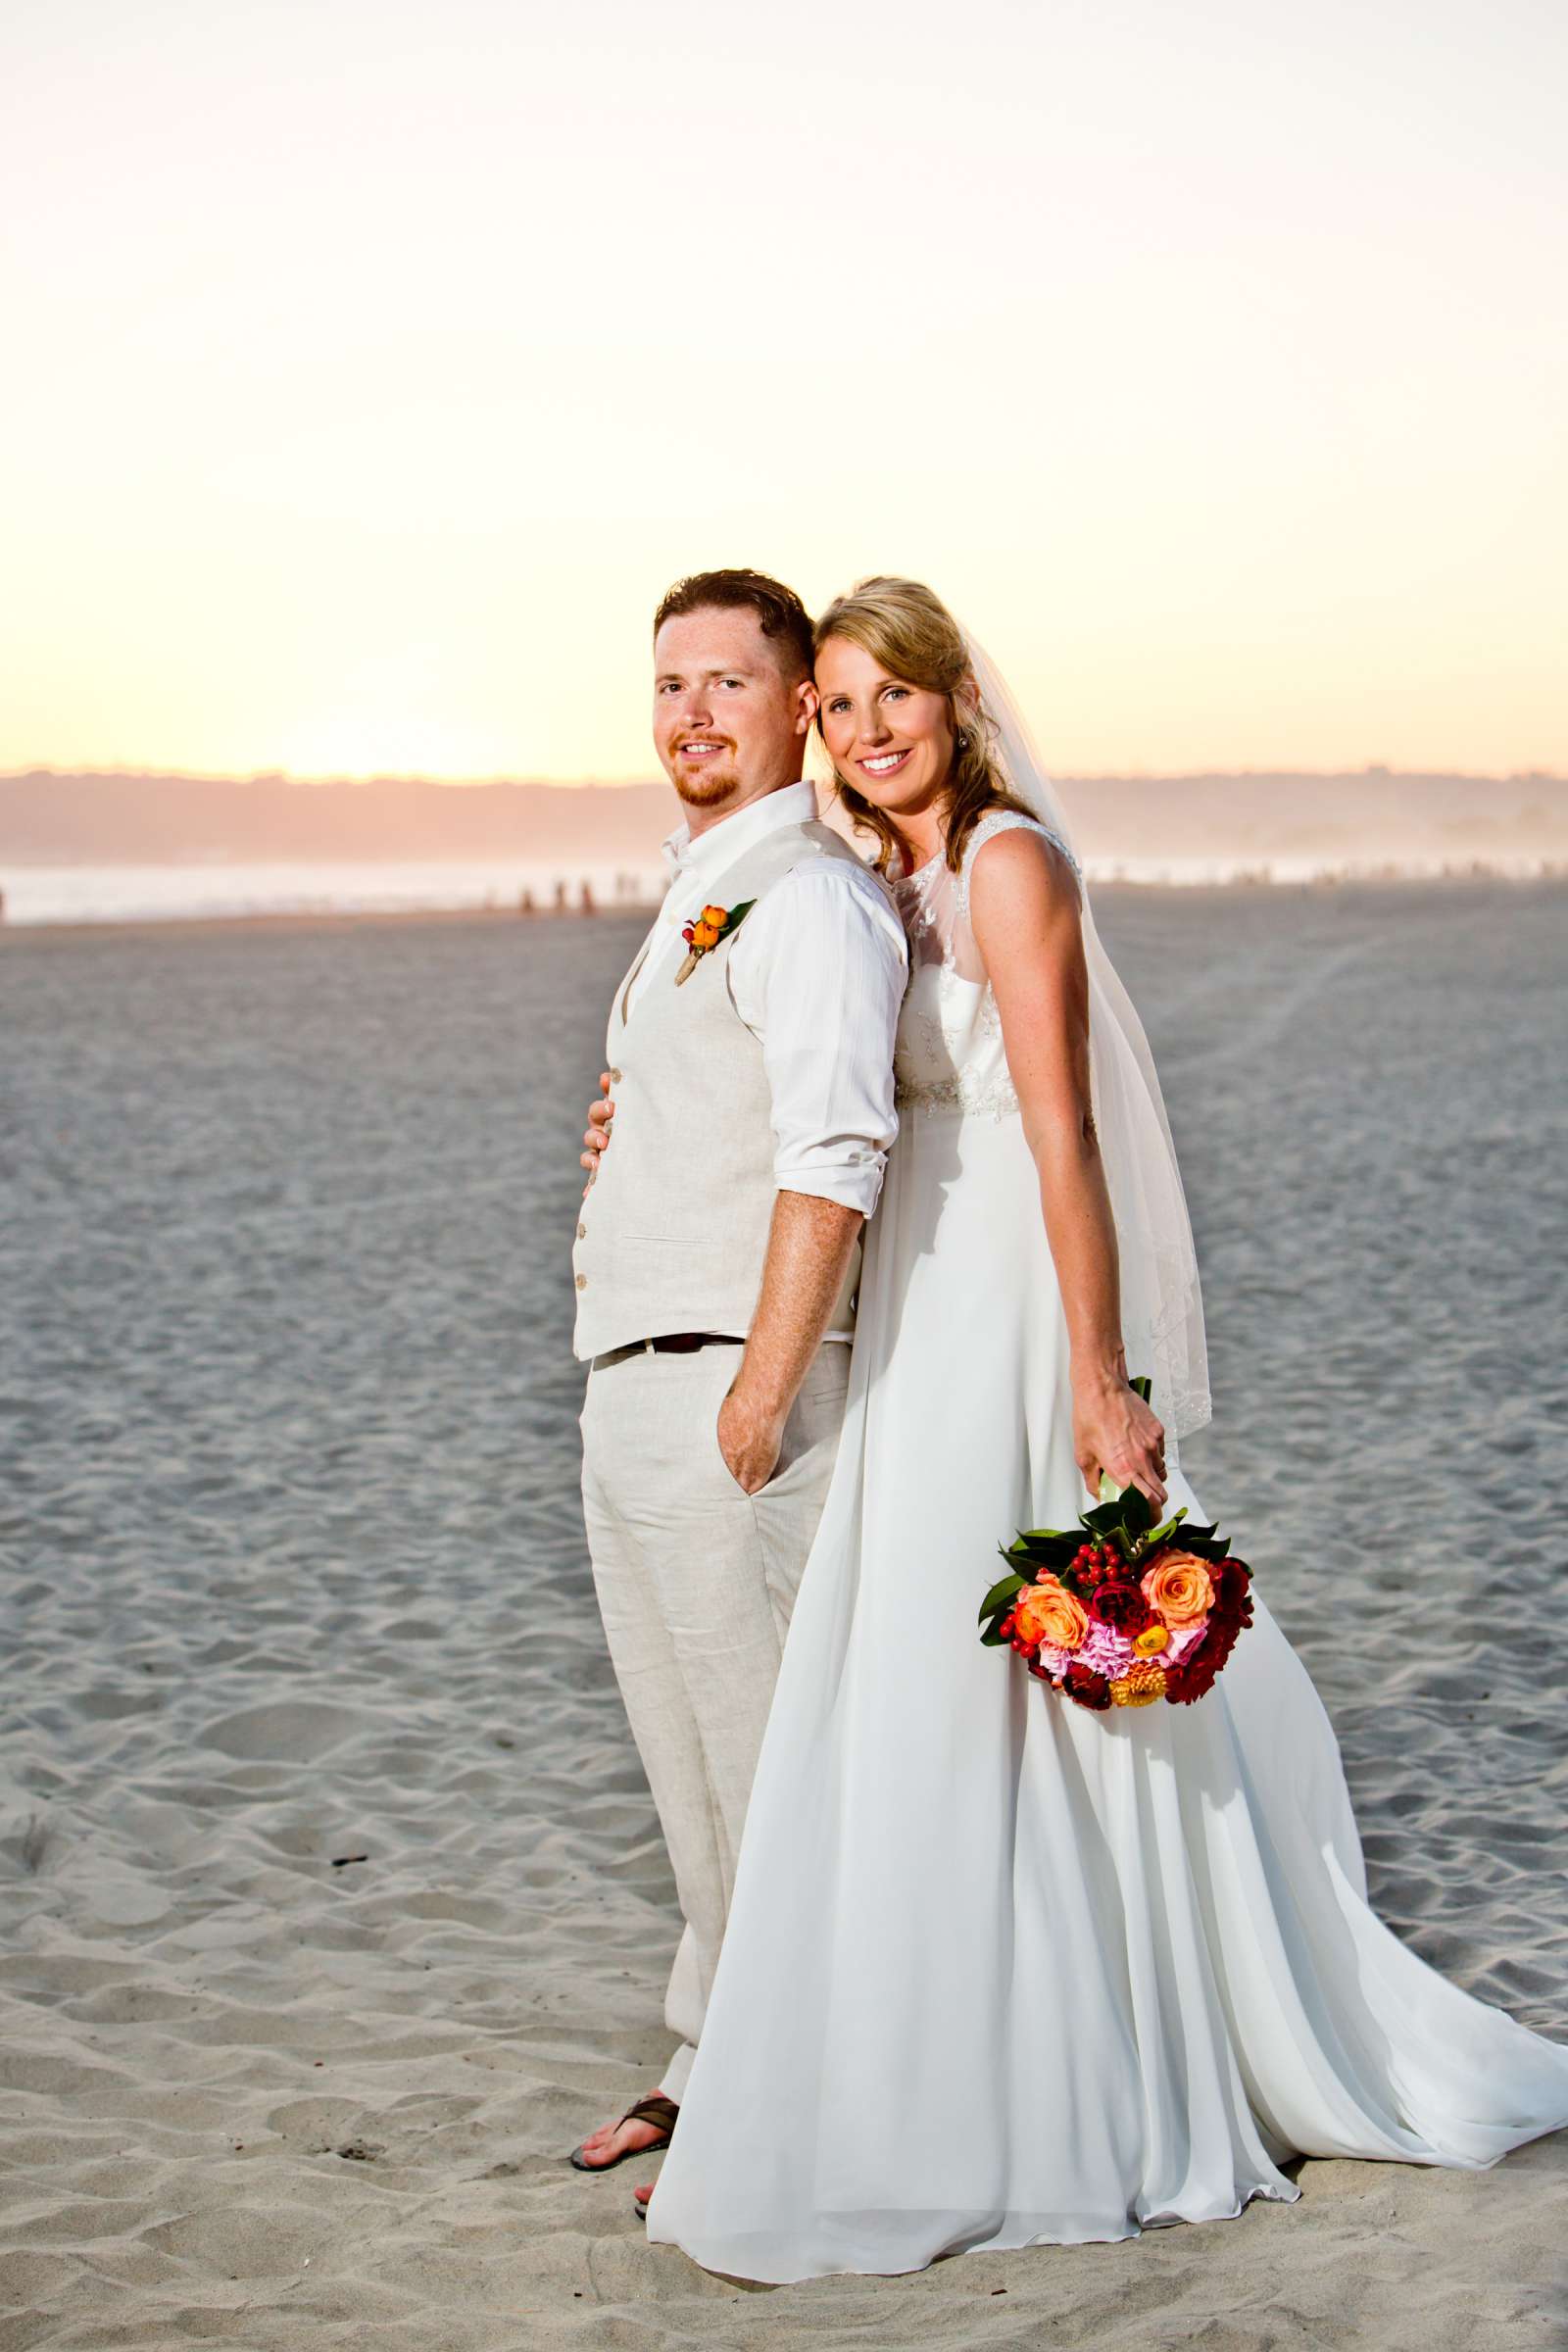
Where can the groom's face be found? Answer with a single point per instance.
(729, 725)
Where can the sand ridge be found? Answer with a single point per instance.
(334, 1907)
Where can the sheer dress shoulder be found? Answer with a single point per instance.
(949, 1057)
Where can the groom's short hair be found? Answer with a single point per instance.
(782, 617)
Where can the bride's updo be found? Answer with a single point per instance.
(910, 630)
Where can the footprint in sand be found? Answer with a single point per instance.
(296, 1730)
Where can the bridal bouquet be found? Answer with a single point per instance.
(1118, 1612)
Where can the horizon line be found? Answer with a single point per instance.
(1139, 775)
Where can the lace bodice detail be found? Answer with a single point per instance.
(950, 1054)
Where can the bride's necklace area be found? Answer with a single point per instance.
(916, 872)
(926, 866)
(924, 897)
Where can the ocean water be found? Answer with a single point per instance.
(111, 894)
(98, 894)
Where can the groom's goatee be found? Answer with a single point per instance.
(707, 785)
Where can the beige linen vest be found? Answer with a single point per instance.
(674, 1229)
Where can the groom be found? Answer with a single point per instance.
(750, 1087)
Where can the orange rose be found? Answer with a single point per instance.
(705, 935)
(1180, 1588)
(716, 916)
(1047, 1612)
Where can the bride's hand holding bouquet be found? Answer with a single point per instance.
(1115, 1434)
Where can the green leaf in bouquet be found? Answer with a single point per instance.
(1137, 1516)
(1144, 1385)
(1035, 1556)
(1000, 1593)
(1045, 1535)
(1165, 1530)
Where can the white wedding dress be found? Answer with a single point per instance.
(1001, 1971)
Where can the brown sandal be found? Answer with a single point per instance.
(655, 2109)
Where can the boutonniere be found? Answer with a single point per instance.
(704, 935)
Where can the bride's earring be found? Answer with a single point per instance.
(962, 740)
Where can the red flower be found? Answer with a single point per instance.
(1089, 1689)
(1233, 1592)
(1120, 1605)
(1198, 1670)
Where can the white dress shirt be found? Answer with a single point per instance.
(816, 972)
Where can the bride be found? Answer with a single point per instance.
(1001, 1971)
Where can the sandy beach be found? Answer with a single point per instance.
(334, 1908)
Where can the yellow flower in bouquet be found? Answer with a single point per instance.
(1140, 1687)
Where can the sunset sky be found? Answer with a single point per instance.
(372, 369)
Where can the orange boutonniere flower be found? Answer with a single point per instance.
(704, 933)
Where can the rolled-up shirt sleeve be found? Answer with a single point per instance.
(820, 983)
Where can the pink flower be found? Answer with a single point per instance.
(1105, 1651)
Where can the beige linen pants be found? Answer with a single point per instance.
(695, 1582)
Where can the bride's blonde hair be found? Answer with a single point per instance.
(910, 630)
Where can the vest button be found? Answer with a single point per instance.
(582, 1232)
(615, 1077)
(582, 1282)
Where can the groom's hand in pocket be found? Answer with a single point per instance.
(750, 1442)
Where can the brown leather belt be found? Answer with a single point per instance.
(687, 1342)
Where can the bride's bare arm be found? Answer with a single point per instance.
(1023, 910)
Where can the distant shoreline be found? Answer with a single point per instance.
(510, 919)
(144, 819)
(344, 918)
